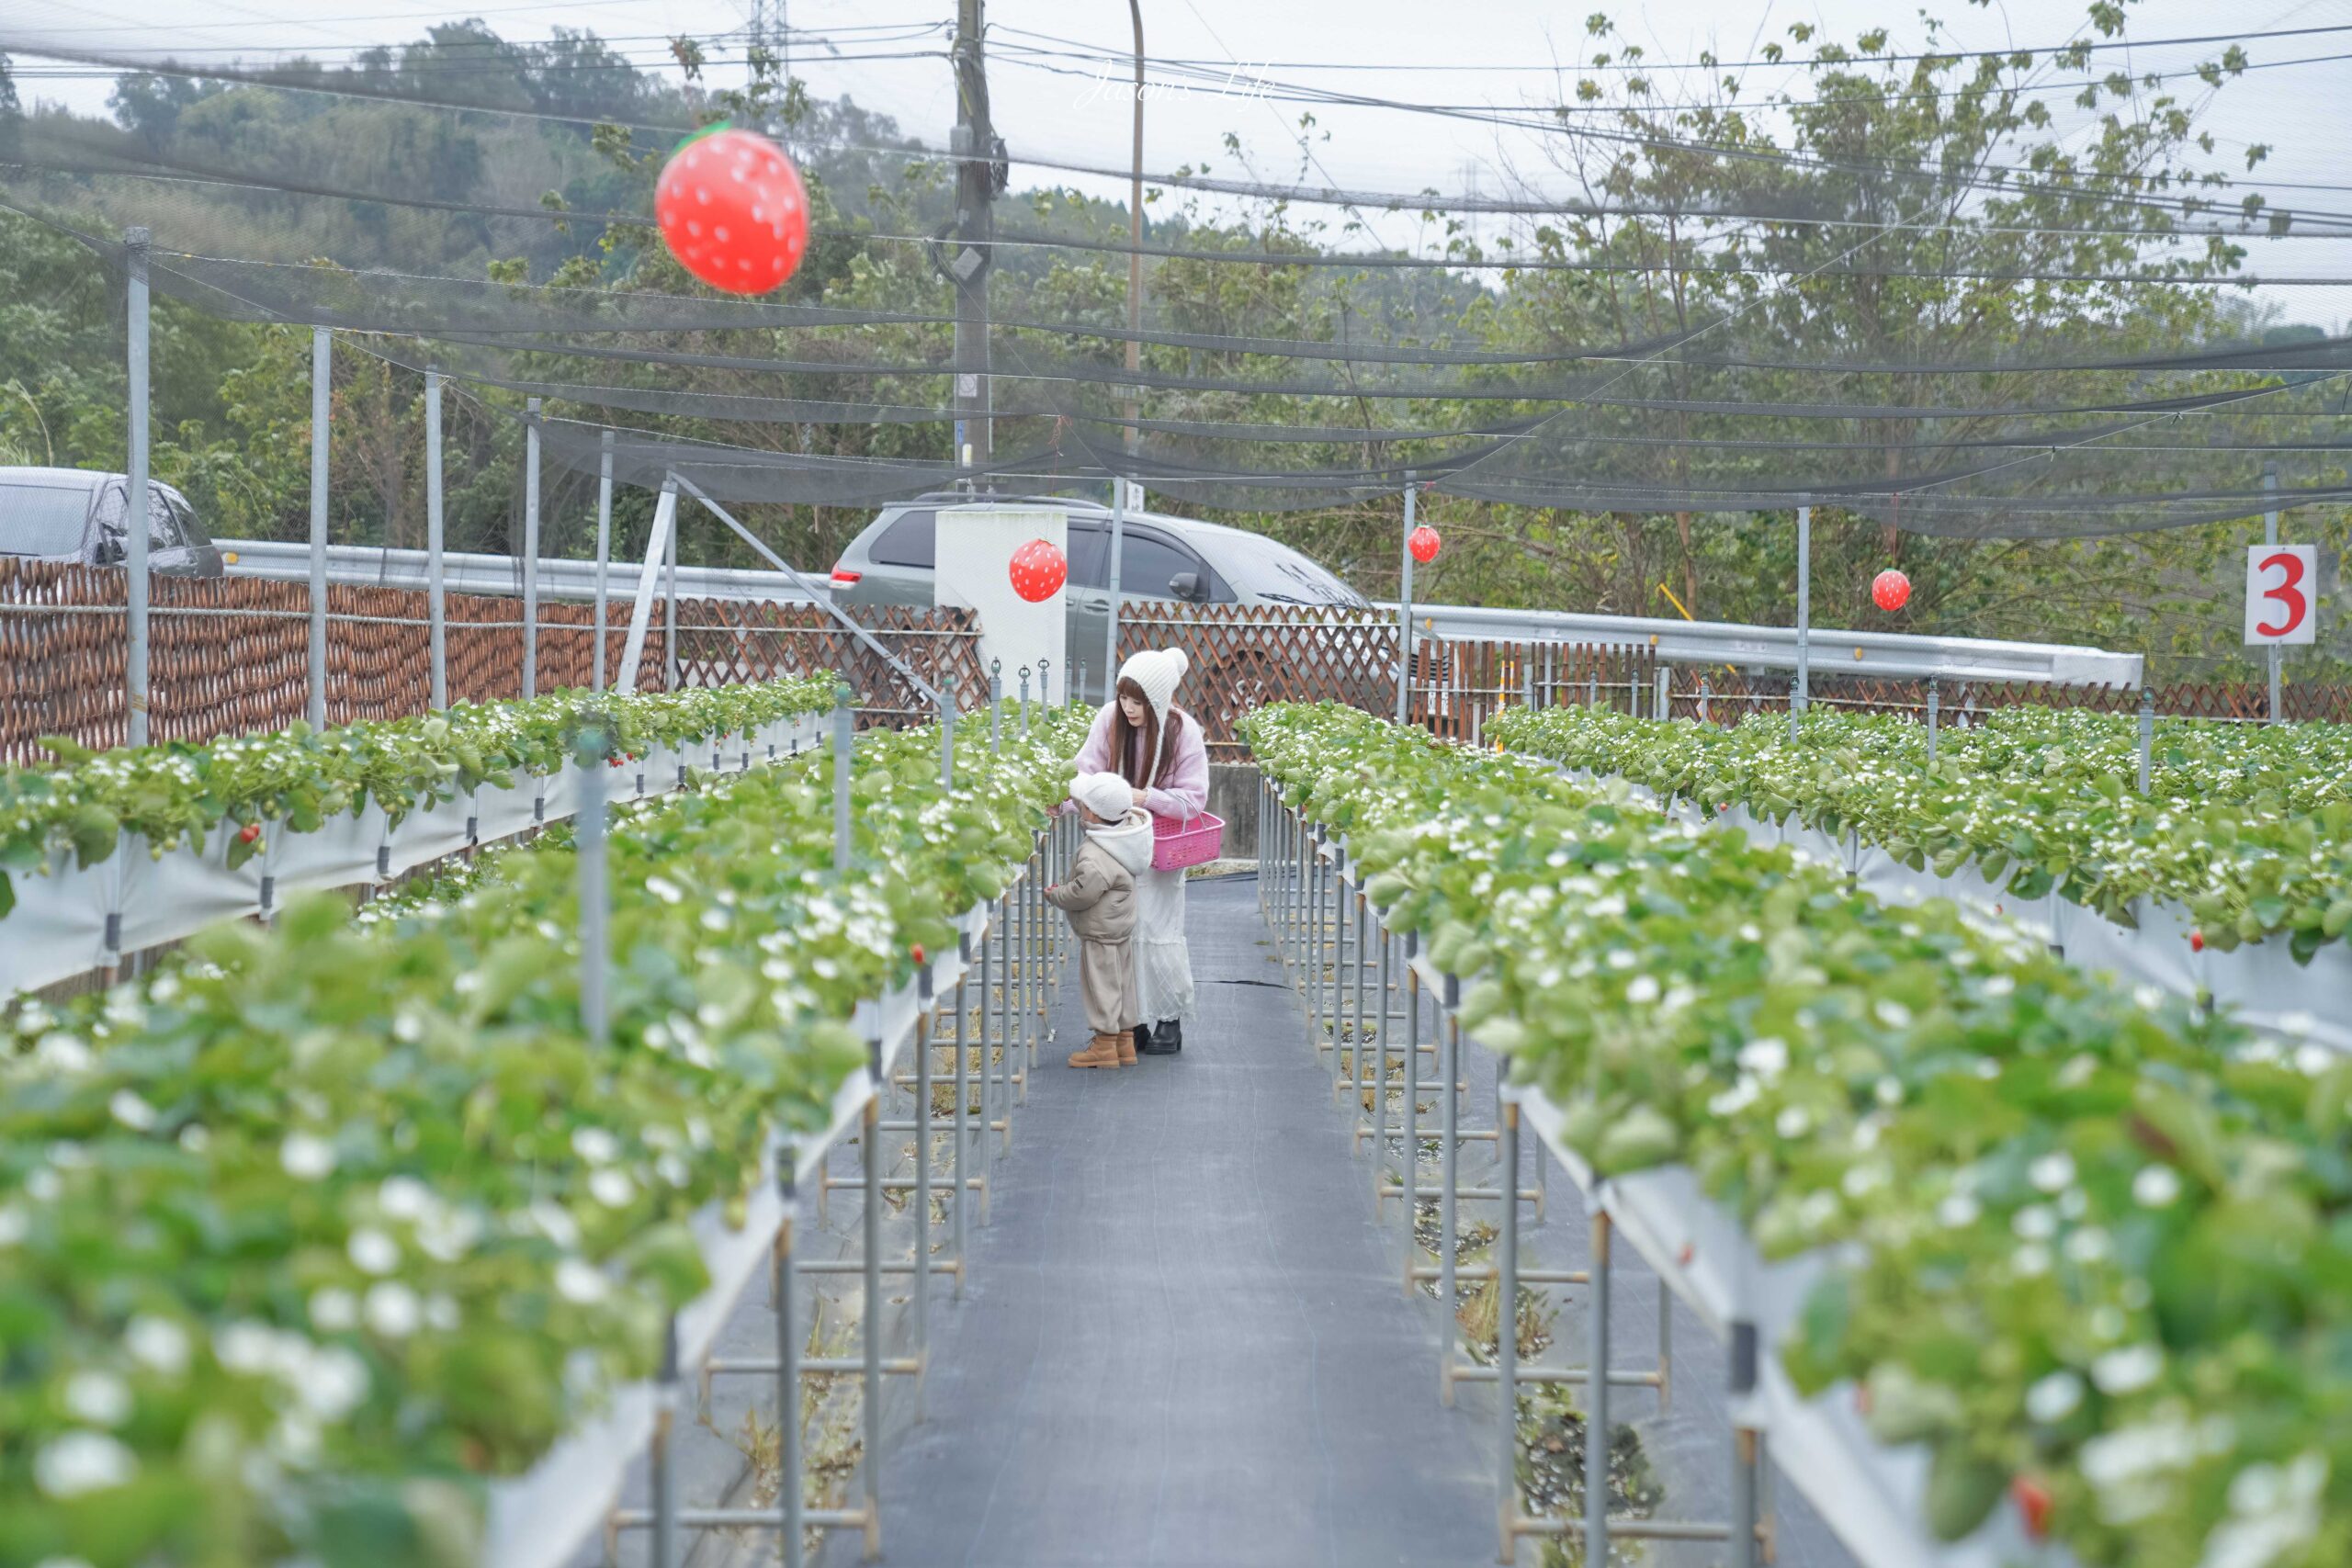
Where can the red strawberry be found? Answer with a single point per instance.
(917, 952)
(249, 833)
(2032, 1499)
(2195, 942)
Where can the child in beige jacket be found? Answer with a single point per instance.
(1100, 899)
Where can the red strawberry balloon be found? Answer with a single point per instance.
(1889, 590)
(1039, 569)
(732, 211)
(1423, 542)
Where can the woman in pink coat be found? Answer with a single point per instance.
(1157, 747)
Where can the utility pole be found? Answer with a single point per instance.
(136, 499)
(974, 144)
(1135, 252)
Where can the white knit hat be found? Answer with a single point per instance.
(1157, 671)
(1106, 795)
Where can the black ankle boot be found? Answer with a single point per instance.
(1143, 1039)
(1162, 1039)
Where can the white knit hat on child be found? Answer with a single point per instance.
(1106, 795)
(1157, 671)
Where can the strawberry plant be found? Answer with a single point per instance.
(2248, 828)
(2091, 1247)
(178, 793)
(306, 1239)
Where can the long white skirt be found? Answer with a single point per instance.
(1163, 962)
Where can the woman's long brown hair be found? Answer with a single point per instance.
(1122, 736)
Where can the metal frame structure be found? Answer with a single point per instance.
(541, 1520)
(1871, 1497)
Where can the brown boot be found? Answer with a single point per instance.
(1102, 1051)
(1125, 1039)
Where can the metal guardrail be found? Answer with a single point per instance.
(1833, 652)
(367, 565)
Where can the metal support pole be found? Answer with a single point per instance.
(1380, 1066)
(668, 1397)
(1802, 692)
(2147, 734)
(1703, 715)
(1935, 715)
(996, 704)
(1746, 1443)
(594, 893)
(2271, 539)
(1118, 550)
(924, 1005)
(1412, 1174)
(531, 548)
(1449, 1160)
(1025, 702)
(436, 606)
(670, 613)
(947, 733)
(1507, 1331)
(604, 546)
(1596, 1421)
(1405, 610)
(136, 499)
(640, 613)
(870, 1137)
(1665, 706)
(321, 393)
(963, 1105)
(789, 1483)
(844, 745)
(1355, 984)
(1044, 683)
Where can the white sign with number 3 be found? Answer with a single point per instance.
(2281, 593)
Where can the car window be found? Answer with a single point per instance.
(164, 527)
(1146, 562)
(42, 520)
(183, 521)
(911, 540)
(1090, 554)
(1265, 569)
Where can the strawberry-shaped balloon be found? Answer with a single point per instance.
(1423, 542)
(732, 211)
(1889, 590)
(1038, 570)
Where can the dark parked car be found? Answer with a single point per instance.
(76, 514)
(1162, 557)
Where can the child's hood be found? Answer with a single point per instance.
(1129, 841)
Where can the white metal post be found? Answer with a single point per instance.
(2270, 537)
(135, 494)
(531, 550)
(1803, 690)
(640, 615)
(435, 598)
(1118, 549)
(321, 389)
(1405, 610)
(670, 613)
(603, 544)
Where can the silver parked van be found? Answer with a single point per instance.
(76, 515)
(1161, 557)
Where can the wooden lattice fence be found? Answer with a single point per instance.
(230, 656)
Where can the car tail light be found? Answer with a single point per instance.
(844, 578)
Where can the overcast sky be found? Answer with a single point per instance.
(1503, 53)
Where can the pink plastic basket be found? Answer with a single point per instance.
(1175, 845)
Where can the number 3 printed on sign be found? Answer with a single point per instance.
(2278, 594)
